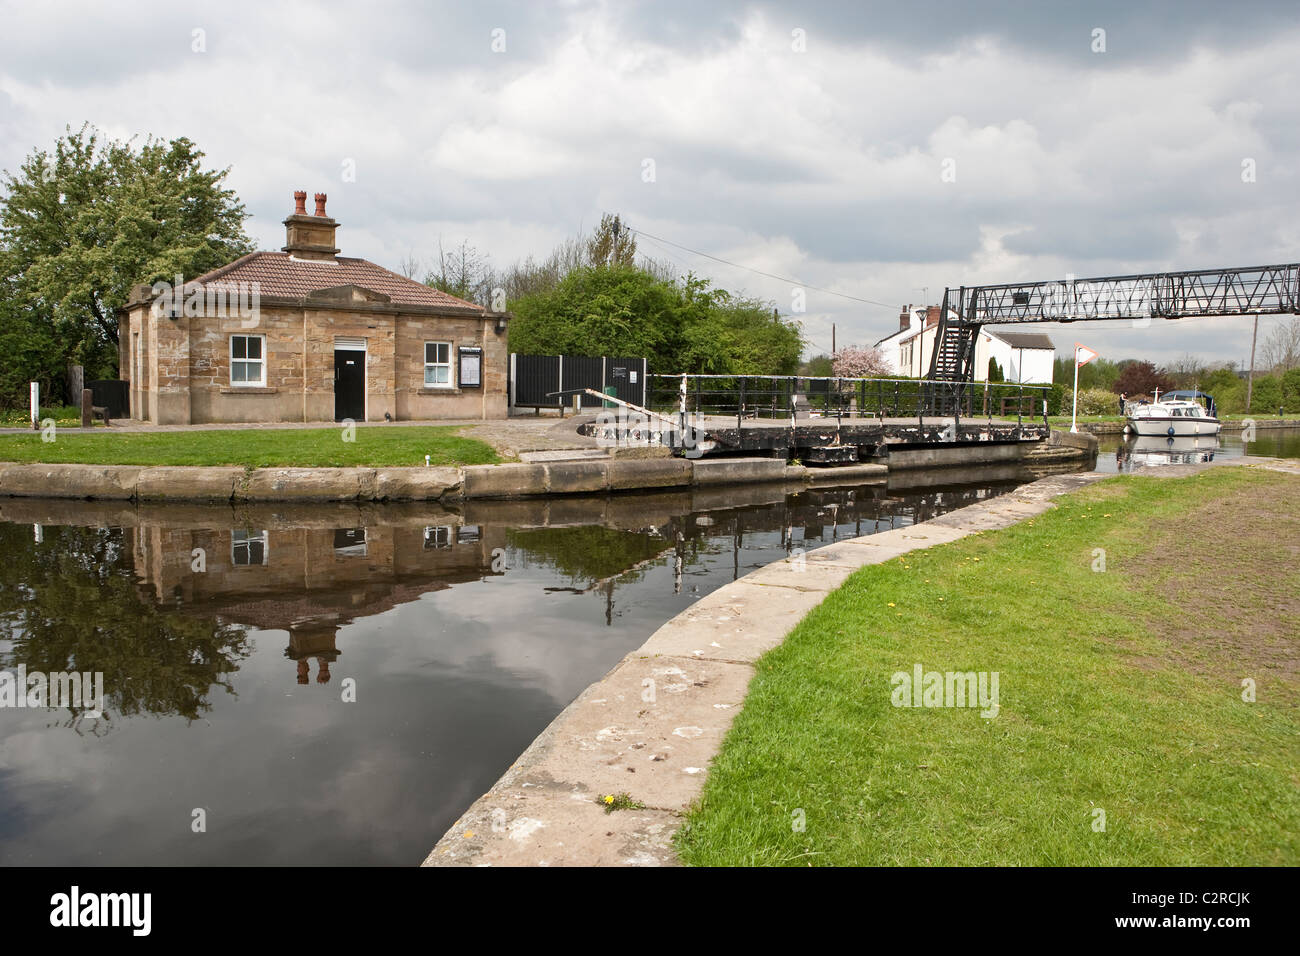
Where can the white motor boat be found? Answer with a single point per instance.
(1172, 418)
(1161, 450)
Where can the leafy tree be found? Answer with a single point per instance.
(614, 311)
(860, 362)
(612, 244)
(1266, 395)
(83, 223)
(683, 326)
(995, 371)
(1228, 389)
(1291, 390)
(72, 603)
(590, 554)
(724, 333)
(1139, 378)
(1099, 373)
(819, 366)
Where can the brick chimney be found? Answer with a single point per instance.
(932, 315)
(310, 237)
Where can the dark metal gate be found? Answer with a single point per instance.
(111, 393)
(535, 380)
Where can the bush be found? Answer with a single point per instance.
(1058, 398)
(1092, 401)
(1291, 390)
(1266, 395)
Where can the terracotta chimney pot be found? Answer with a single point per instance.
(320, 205)
(300, 202)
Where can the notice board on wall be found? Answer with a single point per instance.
(470, 373)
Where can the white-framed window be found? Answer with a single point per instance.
(350, 542)
(247, 547)
(247, 360)
(437, 537)
(437, 365)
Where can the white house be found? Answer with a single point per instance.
(1025, 357)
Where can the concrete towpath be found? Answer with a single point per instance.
(652, 725)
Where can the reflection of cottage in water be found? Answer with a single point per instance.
(308, 580)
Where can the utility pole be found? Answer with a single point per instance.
(1250, 376)
(832, 340)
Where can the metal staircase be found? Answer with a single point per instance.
(953, 358)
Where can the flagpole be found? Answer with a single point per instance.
(1074, 412)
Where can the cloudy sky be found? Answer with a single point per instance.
(808, 140)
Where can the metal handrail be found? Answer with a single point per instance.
(774, 396)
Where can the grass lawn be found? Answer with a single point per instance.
(22, 417)
(1119, 690)
(255, 448)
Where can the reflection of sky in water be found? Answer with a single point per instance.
(1118, 453)
(451, 686)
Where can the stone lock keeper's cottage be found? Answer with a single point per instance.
(308, 335)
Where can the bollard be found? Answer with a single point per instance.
(87, 408)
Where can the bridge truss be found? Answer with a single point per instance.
(1254, 290)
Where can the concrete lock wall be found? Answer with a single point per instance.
(940, 456)
(230, 484)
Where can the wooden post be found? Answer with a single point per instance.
(87, 408)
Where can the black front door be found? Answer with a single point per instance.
(349, 385)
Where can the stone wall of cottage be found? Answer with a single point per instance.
(307, 586)
(300, 561)
(185, 378)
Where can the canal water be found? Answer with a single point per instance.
(1118, 453)
(336, 684)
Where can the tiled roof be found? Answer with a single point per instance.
(279, 275)
(1024, 340)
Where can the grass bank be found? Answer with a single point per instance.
(1120, 691)
(255, 448)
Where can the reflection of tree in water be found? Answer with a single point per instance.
(590, 554)
(71, 604)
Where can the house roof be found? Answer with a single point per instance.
(1024, 340)
(280, 275)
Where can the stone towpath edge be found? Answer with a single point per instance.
(618, 737)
